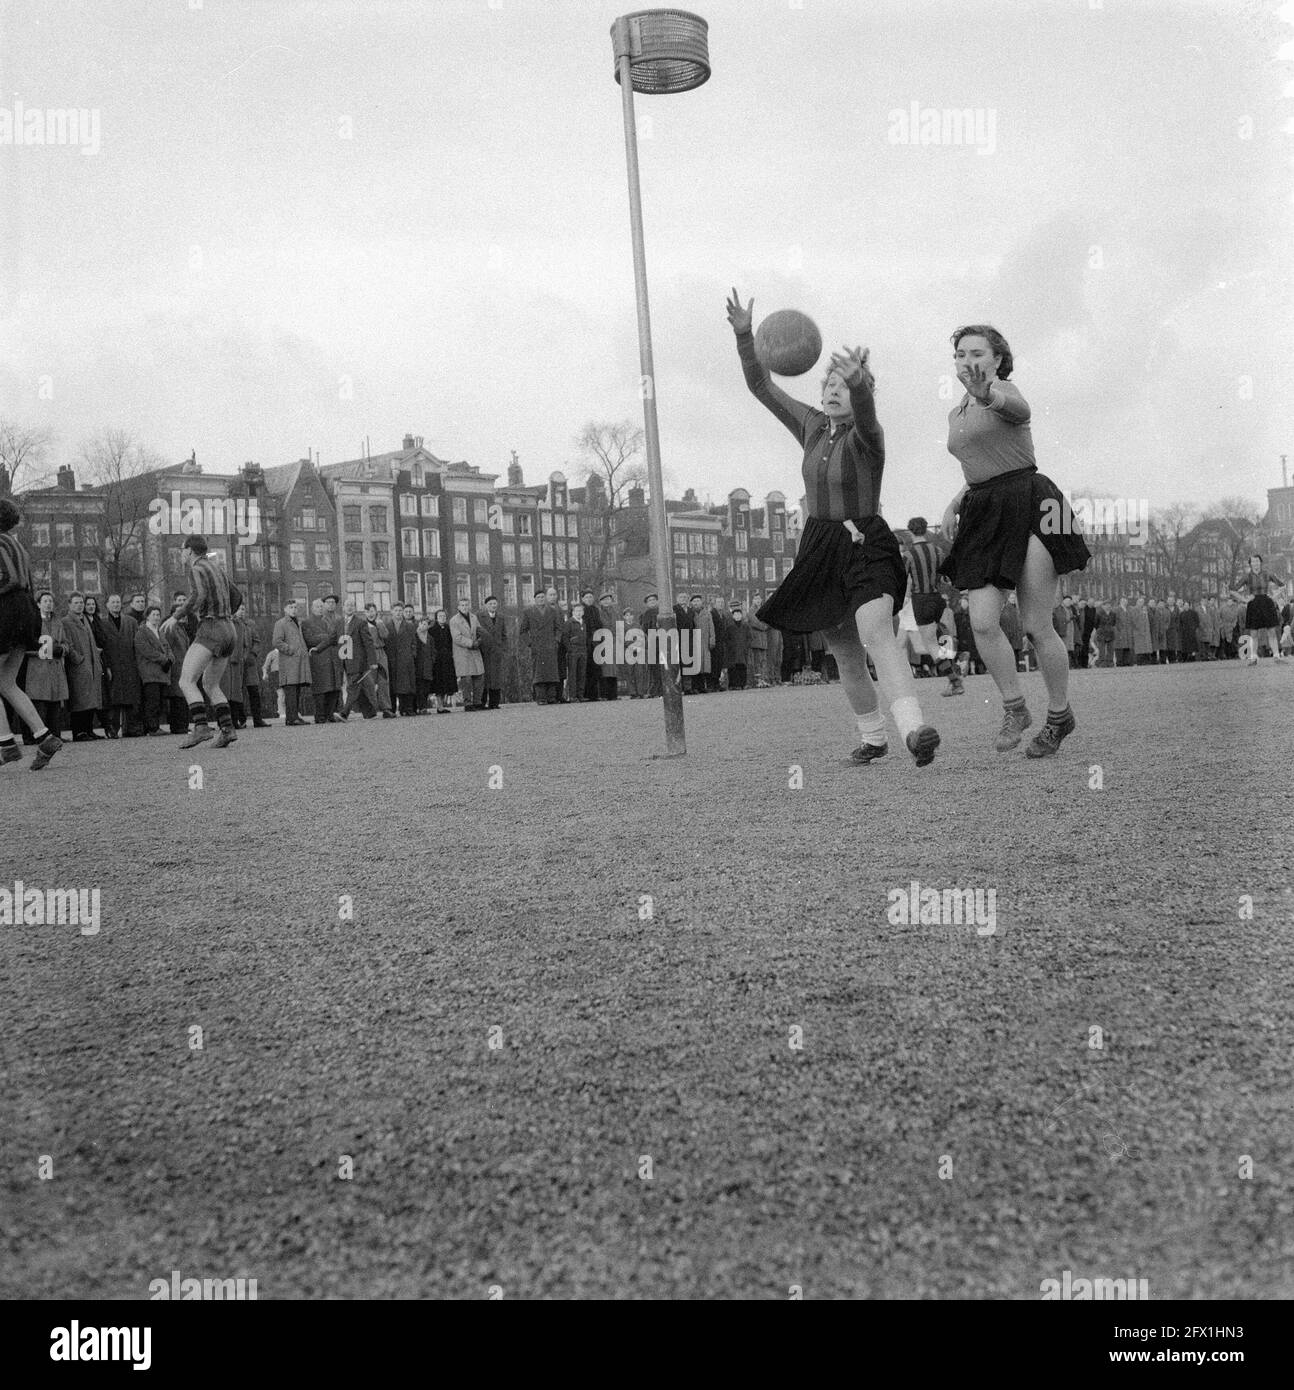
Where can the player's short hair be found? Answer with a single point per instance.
(10, 516)
(44, 593)
(197, 544)
(1001, 348)
(76, 593)
(918, 526)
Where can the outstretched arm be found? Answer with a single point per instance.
(792, 413)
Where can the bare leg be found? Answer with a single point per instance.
(860, 690)
(196, 661)
(10, 664)
(991, 642)
(1037, 597)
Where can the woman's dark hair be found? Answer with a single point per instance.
(995, 340)
(1259, 558)
(10, 516)
(153, 608)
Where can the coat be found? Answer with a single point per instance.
(608, 670)
(1141, 645)
(758, 634)
(325, 664)
(736, 646)
(84, 665)
(494, 647)
(231, 683)
(704, 625)
(466, 634)
(1158, 628)
(1189, 625)
(124, 687)
(251, 658)
(176, 637)
(152, 657)
(540, 631)
(1208, 612)
(442, 639)
(574, 638)
(294, 659)
(402, 647)
(592, 623)
(47, 679)
(424, 658)
(1122, 629)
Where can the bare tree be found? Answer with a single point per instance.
(114, 461)
(1243, 518)
(1174, 539)
(24, 452)
(613, 454)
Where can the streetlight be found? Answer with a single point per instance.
(657, 52)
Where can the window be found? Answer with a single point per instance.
(351, 521)
(89, 535)
(741, 541)
(274, 562)
(573, 556)
(695, 542)
(355, 592)
(377, 520)
(527, 588)
(255, 558)
(323, 555)
(297, 522)
(786, 569)
(461, 547)
(696, 567)
(480, 511)
(382, 558)
(548, 557)
(482, 547)
(409, 542)
(462, 587)
(546, 523)
(297, 555)
(680, 542)
(510, 590)
(779, 542)
(416, 474)
(434, 600)
(90, 576)
(524, 524)
(509, 552)
(742, 574)
(66, 574)
(307, 518)
(712, 567)
(741, 519)
(430, 505)
(408, 504)
(559, 524)
(412, 589)
(382, 595)
(527, 554)
(301, 592)
(711, 544)
(431, 544)
(680, 570)
(572, 526)
(460, 510)
(354, 555)
(40, 533)
(63, 534)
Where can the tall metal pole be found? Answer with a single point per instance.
(675, 742)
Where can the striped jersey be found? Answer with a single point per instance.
(210, 592)
(15, 568)
(843, 462)
(923, 566)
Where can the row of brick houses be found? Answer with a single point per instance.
(408, 526)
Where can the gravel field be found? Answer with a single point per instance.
(945, 1129)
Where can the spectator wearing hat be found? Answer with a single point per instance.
(577, 653)
(609, 672)
(703, 625)
(294, 663)
(153, 661)
(757, 664)
(736, 649)
(469, 665)
(685, 624)
(645, 677)
(592, 624)
(403, 649)
(539, 632)
(46, 683)
(494, 650)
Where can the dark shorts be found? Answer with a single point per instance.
(998, 517)
(19, 622)
(1261, 613)
(834, 575)
(927, 608)
(217, 635)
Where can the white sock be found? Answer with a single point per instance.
(871, 728)
(907, 715)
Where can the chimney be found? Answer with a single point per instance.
(417, 441)
(66, 478)
(408, 442)
(637, 497)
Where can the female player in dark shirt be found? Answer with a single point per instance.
(1013, 530)
(848, 579)
(1262, 617)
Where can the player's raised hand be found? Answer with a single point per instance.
(851, 365)
(976, 380)
(737, 316)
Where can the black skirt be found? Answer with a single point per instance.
(1261, 613)
(997, 518)
(833, 575)
(19, 622)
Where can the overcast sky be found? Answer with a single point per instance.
(310, 222)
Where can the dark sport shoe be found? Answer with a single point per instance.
(954, 687)
(869, 752)
(224, 738)
(200, 734)
(45, 750)
(12, 754)
(922, 743)
(1048, 738)
(1014, 723)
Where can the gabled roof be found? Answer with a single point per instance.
(282, 479)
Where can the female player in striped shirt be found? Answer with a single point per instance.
(848, 579)
(1013, 530)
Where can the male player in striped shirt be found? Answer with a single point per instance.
(212, 600)
(927, 602)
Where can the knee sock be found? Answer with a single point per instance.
(1056, 717)
(197, 712)
(1016, 706)
(871, 728)
(223, 718)
(907, 715)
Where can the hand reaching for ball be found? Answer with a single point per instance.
(740, 318)
(851, 366)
